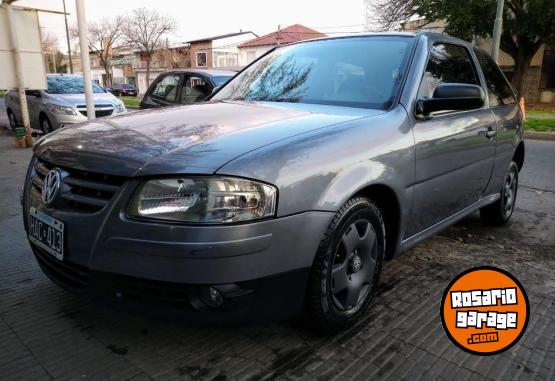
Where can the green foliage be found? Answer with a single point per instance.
(2, 93)
(542, 120)
(132, 102)
(532, 19)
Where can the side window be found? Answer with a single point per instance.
(194, 90)
(447, 63)
(166, 88)
(499, 90)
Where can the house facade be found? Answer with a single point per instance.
(539, 81)
(218, 51)
(252, 49)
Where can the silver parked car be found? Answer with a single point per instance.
(61, 104)
(288, 190)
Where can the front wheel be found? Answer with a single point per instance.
(45, 125)
(347, 266)
(499, 213)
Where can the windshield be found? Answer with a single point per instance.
(69, 85)
(356, 72)
(220, 80)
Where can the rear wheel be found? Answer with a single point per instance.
(11, 118)
(500, 212)
(347, 266)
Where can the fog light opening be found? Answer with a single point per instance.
(211, 296)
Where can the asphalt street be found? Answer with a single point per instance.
(48, 333)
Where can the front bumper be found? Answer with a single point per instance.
(265, 263)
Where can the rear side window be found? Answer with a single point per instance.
(447, 63)
(499, 90)
(166, 89)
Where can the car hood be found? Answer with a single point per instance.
(72, 100)
(196, 139)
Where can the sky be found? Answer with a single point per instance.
(197, 19)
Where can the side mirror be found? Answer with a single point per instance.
(451, 97)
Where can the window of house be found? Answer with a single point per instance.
(499, 90)
(166, 88)
(547, 80)
(448, 63)
(201, 59)
(195, 89)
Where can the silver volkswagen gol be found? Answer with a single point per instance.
(288, 190)
(61, 104)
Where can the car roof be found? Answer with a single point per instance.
(416, 34)
(208, 72)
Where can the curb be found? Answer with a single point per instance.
(539, 135)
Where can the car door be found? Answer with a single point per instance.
(164, 92)
(453, 153)
(195, 89)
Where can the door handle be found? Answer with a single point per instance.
(491, 132)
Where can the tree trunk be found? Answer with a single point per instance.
(522, 64)
(108, 82)
(147, 71)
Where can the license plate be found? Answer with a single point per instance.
(46, 232)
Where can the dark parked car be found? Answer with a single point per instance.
(123, 89)
(179, 87)
(288, 190)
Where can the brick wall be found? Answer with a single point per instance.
(530, 84)
(203, 46)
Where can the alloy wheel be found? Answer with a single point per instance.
(509, 192)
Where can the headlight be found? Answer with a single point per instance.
(120, 107)
(62, 110)
(204, 200)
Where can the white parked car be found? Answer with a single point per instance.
(61, 104)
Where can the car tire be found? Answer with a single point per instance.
(11, 119)
(45, 125)
(500, 212)
(347, 267)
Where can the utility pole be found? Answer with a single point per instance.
(67, 38)
(278, 36)
(497, 30)
(18, 69)
(85, 61)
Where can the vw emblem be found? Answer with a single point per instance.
(51, 186)
(356, 264)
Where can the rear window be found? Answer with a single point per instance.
(219, 81)
(499, 90)
(361, 72)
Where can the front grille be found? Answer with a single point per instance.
(69, 275)
(82, 191)
(100, 110)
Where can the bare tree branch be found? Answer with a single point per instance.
(143, 30)
(387, 15)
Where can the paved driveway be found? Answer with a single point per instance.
(47, 333)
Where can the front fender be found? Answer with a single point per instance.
(322, 169)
